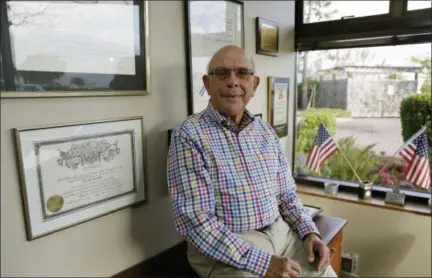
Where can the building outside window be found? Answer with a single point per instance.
(359, 93)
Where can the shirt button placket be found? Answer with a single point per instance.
(239, 140)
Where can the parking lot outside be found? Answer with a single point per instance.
(386, 133)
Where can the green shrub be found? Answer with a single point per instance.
(332, 111)
(308, 128)
(415, 112)
(363, 159)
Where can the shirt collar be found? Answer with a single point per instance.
(227, 123)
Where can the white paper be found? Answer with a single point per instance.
(74, 37)
(280, 103)
(86, 171)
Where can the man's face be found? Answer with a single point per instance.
(231, 83)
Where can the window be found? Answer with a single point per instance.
(318, 11)
(418, 5)
(357, 93)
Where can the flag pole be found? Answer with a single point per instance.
(352, 168)
(340, 149)
(410, 139)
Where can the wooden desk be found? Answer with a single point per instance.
(331, 229)
(173, 262)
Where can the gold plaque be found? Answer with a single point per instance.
(55, 203)
(267, 37)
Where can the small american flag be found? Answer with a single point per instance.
(322, 149)
(415, 152)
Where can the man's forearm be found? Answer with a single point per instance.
(224, 246)
(294, 214)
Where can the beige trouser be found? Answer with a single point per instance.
(279, 239)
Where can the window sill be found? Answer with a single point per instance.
(350, 197)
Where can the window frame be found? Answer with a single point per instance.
(384, 29)
(399, 21)
(410, 11)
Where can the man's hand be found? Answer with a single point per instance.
(282, 267)
(313, 243)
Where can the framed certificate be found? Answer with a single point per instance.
(74, 48)
(210, 25)
(76, 172)
(277, 104)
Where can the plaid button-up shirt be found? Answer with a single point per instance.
(224, 179)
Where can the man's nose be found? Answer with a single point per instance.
(232, 80)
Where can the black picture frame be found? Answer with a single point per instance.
(258, 115)
(265, 26)
(189, 51)
(31, 83)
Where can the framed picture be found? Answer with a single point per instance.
(259, 115)
(76, 172)
(210, 25)
(74, 48)
(277, 104)
(267, 37)
(313, 211)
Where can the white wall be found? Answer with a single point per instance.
(389, 243)
(112, 243)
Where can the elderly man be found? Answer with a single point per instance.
(231, 188)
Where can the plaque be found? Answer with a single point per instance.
(267, 37)
(395, 197)
(76, 172)
(277, 104)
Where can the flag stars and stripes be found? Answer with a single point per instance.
(415, 152)
(322, 149)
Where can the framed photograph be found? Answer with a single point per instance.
(210, 25)
(74, 48)
(267, 37)
(259, 115)
(76, 172)
(313, 211)
(277, 104)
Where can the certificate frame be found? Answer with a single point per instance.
(130, 74)
(197, 58)
(266, 37)
(76, 172)
(278, 94)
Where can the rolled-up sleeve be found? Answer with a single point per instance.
(193, 203)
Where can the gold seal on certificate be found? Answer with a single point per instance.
(55, 203)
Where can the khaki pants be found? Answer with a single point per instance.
(279, 239)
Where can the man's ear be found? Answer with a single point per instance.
(206, 81)
(256, 82)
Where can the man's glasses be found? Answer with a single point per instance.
(223, 73)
